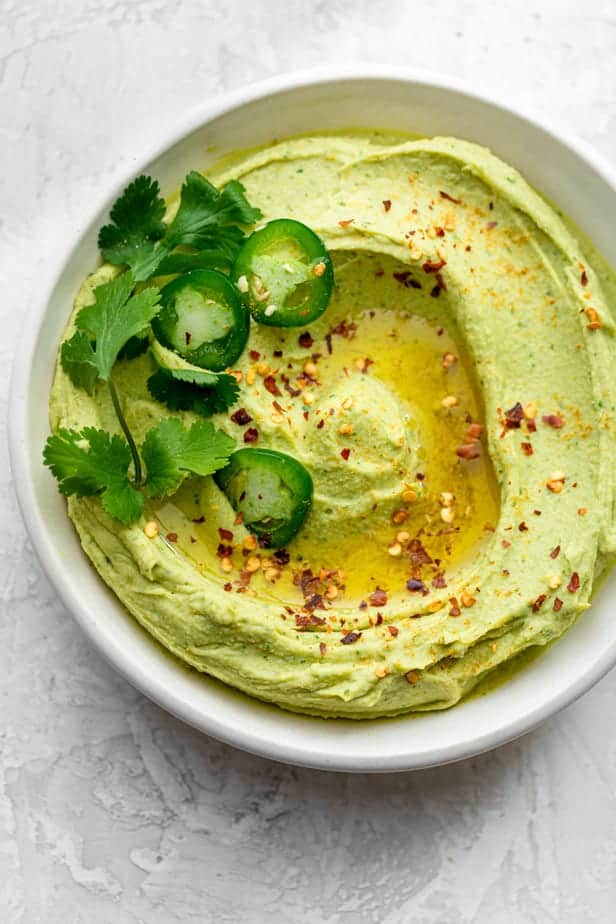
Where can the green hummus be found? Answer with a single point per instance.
(459, 427)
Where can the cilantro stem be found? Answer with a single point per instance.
(126, 432)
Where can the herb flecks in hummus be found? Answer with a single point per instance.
(455, 407)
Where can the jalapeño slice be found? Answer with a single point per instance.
(271, 490)
(203, 319)
(285, 274)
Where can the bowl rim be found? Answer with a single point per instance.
(125, 663)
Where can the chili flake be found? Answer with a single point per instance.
(433, 266)
(553, 420)
(558, 604)
(345, 453)
(468, 452)
(350, 637)
(387, 204)
(241, 417)
(538, 603)
(414, 585)
(555, 552)
(251, 435)
(574, 583)
(527, 448)
(514, 416)
(378, 597)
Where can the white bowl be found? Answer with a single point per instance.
(566, 171)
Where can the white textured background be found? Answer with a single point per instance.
(110, 810)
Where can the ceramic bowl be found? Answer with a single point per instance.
(565, 170)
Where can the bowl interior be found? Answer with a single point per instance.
(584, 191)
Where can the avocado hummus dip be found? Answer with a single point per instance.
(353, 447)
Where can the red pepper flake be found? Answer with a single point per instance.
(200, 519)
(241, 417)
(418, 554)
(350, 637)
(474, 431)
(254, 355)
(468, 451)
(187, 336)
(455, 609)
(378, 597)
(527, 448)
(435, 291)
(553, 420)
(172, 537)
(239, 519)
(225, 534)
(345, 453)
(555, 552)
(224, 551)
(539, 602)
(523, 527)
(514, 416)
(305, 340)
(251, 435)
(574, 583)
(387, 204)
(323, 649)
(441, 281)
(294, 392)
(305, 620)
(584, 278)
(379, 618)
(278, 407)
(321, 423)
(531, 426)
(270, 384)
(445, 195)
(393, 630)
(440, 232)
(281, 557)
(228, 587)
(491, 224)
(414, 585)
(558, 604)
(433, 266)
(346, 222)
(439, 581)
(505, 543)
(192, 540)
(405, 278)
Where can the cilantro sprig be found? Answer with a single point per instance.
(208, 221)
(91, 461)
(196, 390)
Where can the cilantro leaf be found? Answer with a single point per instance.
(134, 347)
(205, 393)
(170, 451)
(79, 362)
(112, 320)
(101, 467)
(136, 227)
(221, 258)
(207, 220)
(209, 217)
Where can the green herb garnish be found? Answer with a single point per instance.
(207, 221)
(91, 461)
(204, 393)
